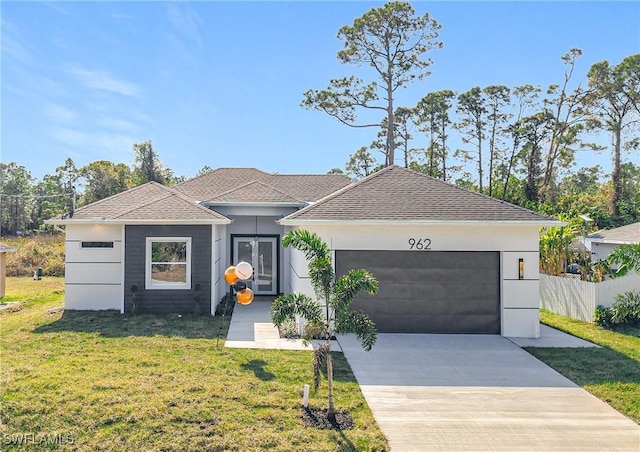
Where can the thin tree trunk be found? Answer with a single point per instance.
(331, 412)
(615, 175)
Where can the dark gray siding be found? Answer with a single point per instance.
(429, 291)
(168, 301)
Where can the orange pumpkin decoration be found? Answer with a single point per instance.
(245, 296)
(230, 275)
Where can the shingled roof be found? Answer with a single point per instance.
(629, 234)
(146, 203)
(397, 194)
(256, 192)
(215, 185)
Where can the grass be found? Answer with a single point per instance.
(113, 382)
(611, 373)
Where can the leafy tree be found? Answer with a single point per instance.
(432, 114)
(147, 165)
(335, 171)
(534, 130)
(565, 115)
(102, 179)
(402, 135)
(471, 107)
(554, 246)
(626, 258)
(361, 163)
(497, 97)
(614, 108)
(16, 203)
(392, 41)
(334, 295)
(526, 96)
(204, 170)
(55, 193)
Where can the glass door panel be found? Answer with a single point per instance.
(260, 252)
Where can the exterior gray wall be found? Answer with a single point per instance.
(168, 301)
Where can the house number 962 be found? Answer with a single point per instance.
(419, 244)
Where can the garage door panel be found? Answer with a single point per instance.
(429, 292)
(433, 306)
(438, 324)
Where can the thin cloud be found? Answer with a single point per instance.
(60, 113)
(186, 22)
(103, 81)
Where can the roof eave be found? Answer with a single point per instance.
(535, 223)
(252, 204)
(108, 221)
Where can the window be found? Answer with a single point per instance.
(168, 263)
(97, 244)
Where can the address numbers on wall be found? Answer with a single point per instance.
(420, 244)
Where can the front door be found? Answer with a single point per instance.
(262, 254)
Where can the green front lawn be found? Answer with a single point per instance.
(113, 382)
(611, 373)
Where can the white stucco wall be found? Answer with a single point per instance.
(519, 298)
(94, 276)
(218, 286)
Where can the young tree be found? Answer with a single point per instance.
(613, 107)
(334, 295)
(391, 40)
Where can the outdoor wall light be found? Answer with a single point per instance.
(521, 268)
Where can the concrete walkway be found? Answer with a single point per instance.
(251, 327)
(479, 393)
(550, 337)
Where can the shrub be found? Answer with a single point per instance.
(626, 308)
(226, 305)
(602, 316)
(46, 251)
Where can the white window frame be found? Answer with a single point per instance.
(149, 284)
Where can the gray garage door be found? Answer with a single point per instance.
(429, 291)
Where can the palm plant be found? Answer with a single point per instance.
(335, 296)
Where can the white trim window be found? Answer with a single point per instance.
(168, 263)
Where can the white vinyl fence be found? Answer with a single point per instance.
(578, 299)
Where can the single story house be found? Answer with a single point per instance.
(448, 260)
(601, 243)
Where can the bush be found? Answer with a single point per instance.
(602, 316)
(46, 251)
(226, 305)
(626, 308)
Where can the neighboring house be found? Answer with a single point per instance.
(448, 260)
(601, 243)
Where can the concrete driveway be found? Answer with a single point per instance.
(479, 393)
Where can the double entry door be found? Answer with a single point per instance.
(262, 254)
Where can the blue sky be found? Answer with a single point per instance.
(220, 83)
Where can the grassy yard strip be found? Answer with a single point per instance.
(611, 373)
(114, 382)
